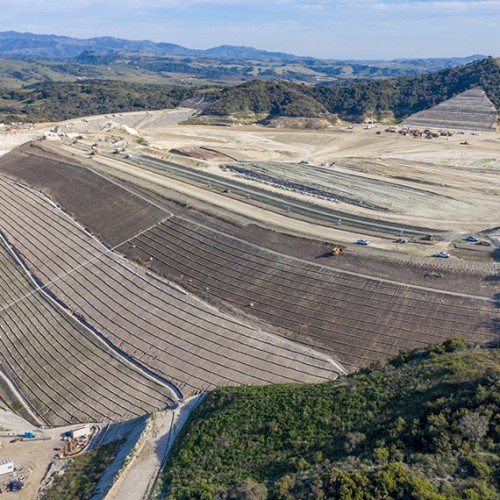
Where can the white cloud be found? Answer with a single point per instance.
(311, 6)
(30, 6)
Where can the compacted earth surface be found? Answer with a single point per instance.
(190, 257)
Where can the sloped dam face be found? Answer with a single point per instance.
(470, 110)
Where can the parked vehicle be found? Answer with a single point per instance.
(362, 242)
(442, 255)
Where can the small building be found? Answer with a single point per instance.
(80, 432)
(6, 466)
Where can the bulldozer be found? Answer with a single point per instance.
(429, 237)
(337, 250)
(484, 243)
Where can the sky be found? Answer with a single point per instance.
(333, 29)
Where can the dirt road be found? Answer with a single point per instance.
(159, 183)
(141, 475)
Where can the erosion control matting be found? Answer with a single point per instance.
(470, 110)
(65, 372)
(353, 317)
(113, 213)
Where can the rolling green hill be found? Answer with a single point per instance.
(389, 99)
(393, 98)
(425, 425)
(61, 101)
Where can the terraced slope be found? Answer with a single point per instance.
(65, 372)
(470, 110)
(172, 334)
(111, 209)
(354, 318)
(140, 120)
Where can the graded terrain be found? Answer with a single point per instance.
(159, 326)
(145, 261)
(62, 369)
(403, 298)
(470, 110)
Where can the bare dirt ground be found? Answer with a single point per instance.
(455, 186)
(31, 458)
(10, 138)
(125, 214)
(439, 182)
(221, 203)
(193, 254)
(128, 122)
(140, 476)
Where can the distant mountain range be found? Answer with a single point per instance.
(39, 73)
(40, 47)
(32, 46)
(27, 59)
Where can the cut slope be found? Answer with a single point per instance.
(65, 372)
(353, 318)
(131, 122)
(470, 110)
(99, 203)
(170, 333)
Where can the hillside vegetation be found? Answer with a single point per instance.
(61, 101)
(426, 425)
(394, 98)
(271, 98)
(82, 474)
(398, 97)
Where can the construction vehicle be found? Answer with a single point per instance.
(484, 243)
(429, 237)
(337, 249)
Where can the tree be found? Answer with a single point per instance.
(248, 489)
(352, 440)
(473, 426)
